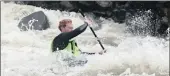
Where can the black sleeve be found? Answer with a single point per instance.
(74, 33)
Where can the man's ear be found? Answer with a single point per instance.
(62, 29)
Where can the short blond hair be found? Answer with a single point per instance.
(63, 23)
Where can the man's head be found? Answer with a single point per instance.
(65, 25)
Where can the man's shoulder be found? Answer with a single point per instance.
(59, 36)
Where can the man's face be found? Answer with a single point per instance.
(68, 28)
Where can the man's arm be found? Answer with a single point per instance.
(74, 33)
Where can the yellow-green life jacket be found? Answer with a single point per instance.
(73, 48)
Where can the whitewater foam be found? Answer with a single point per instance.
(28, 53)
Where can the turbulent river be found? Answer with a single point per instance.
(29, 53)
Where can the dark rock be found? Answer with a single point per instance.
(162, 29)
(104, 3)
(34, 21)
(67, 5)
(168, 15)
(119, 15)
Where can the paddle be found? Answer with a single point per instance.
(94, 34)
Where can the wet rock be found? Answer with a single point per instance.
(34, 21)
(104, 3)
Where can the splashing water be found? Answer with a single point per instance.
(28, 53)
(143, 23)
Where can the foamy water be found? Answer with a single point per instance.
(29, 53)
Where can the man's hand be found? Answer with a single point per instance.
(103, 51)
(88, 21)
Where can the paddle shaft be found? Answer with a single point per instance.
(97, 38)
(95, 35)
